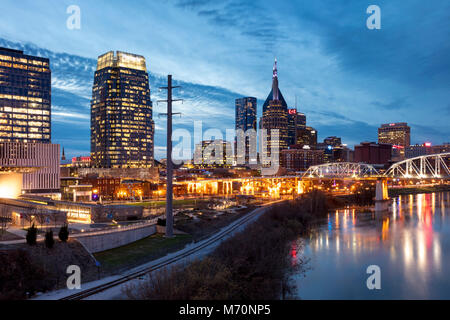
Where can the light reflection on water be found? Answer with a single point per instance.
(411, 244)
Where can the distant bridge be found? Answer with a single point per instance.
(432, 166)
(341, 170)
(428, 166)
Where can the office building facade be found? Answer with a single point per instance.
(246, 109)
(25, 122)
(300, 159)
(37, 162)
(373, 153)
(398, 134)
(213, 154)
(122, 127)
(25, 97)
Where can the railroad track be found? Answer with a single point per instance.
(103, 287)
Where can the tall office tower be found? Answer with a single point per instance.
(25, 97)
(301, 120)
(122, 128)
(275, 117)
(292, 126)
(246, 120)
(296, 121)
(25, 128)
(398, 134)
(307, 136)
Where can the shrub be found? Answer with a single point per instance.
(64, 233)
(31, 235)
(49, 241)
(20, 274)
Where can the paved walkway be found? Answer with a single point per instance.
(17, 231)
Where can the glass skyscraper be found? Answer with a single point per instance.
(25, 97)
(246, 120)
(122, 128)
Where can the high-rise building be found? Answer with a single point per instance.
(292, 126)
(301, 120)
(395, 134)
(296, 121)
(246, 120)
(213, 154)
(25, 97)
(122, 128)
(306, 136)
(275, 117)
(25, 123)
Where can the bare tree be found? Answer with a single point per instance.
(41, 216)
(5, 218)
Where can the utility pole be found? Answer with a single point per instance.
(169, 165)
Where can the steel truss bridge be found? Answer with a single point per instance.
(341, 170)
(433, 166)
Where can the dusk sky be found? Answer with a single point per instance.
(339, 69)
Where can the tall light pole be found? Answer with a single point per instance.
(169, 163)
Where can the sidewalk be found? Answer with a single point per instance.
(17, 231)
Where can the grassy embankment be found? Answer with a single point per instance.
(254, 264)
(30, 269)
(157, 246)
(139, 252)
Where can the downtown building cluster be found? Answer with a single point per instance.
(122, 127)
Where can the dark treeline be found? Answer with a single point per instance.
(253, 264)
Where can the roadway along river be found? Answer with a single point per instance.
(410, 244)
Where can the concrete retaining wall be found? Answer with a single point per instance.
(101, 241)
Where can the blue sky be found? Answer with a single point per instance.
(344, 75)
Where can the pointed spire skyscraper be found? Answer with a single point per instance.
(275, 120)
(275, 93)
(275, 81)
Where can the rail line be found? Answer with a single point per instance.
(92, 291)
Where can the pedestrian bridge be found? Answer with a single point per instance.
(433, 166)
(341, 170)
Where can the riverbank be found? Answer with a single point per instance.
(366, 198)
(393, 192)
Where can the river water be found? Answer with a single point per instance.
(410, 244)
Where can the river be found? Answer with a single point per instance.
(410, 244)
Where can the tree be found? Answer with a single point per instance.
(63, 233)
(49, 241)
(31, 235)
(5, 218)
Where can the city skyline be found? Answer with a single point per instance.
(160, 150)
(226, 152)
(342, 94)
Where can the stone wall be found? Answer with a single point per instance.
(105, 240)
